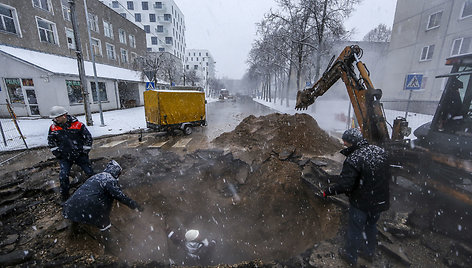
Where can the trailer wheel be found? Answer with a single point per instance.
(187, 130)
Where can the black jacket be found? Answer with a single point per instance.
(364, 178)
(92, 202)
(69, 140)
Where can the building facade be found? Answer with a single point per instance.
(37, 43)
(425, 33)
(202, 62)
(162, 21)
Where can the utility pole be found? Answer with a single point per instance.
(80, 63)
(97, 89)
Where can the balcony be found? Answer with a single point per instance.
(162, 7)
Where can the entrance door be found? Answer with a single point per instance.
(31, 101)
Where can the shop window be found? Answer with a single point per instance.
(8, 19)
(102, 89)
(27, 82)
(74, 91)
(14, 90)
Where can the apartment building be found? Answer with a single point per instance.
(162, 21)
(37, 44)
(425, 33)
(203, 63)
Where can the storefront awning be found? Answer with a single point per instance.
(68, 66)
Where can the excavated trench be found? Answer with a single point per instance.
(248, 197)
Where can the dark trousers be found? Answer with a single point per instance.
(66, 164)
(361, 233)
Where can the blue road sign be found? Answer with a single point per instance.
(413, 81)
(150, 85)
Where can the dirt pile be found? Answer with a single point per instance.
(279, 133)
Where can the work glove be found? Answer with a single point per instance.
(57, 153)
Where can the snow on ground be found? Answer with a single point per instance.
(331, 115)
(116, 122)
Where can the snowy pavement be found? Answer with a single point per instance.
(331, 115)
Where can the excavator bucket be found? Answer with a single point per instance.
(304, 99)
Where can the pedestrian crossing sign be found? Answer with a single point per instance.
(413, 81)
(150, 86)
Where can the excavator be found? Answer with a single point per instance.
(443, 145)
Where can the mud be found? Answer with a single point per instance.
(247, 193)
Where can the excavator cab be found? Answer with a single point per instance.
(450, 131)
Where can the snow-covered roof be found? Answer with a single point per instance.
(64, 65)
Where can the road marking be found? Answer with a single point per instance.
(182, 143)
(158, 144)
(111, 144)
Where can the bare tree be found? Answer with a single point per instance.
(191, 77)
(171, 68)
(151, 63)
(381, 33)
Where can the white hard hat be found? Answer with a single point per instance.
(57, 111)
(191, 235)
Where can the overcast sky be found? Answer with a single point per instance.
(227, 27)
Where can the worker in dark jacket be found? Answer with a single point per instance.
(365, 180)
(92, 202)
(70, 141)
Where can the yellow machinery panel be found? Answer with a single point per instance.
(172, 108)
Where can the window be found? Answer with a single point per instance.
(161, 49)
(124, 55)
(434, 20)
(149, 49)
(145, 5)
(137, 17)
(65, 9)
(43, 4)
(122, 36)
(187, 67)
(427, 53)
(461, 46)
(199, 53)
(110, 51)
(14, 90)
(123, 15)
(8, 19)
(158, 5)
(195, 67)
(93, 22)
(132, 41)
(97, 47)
(130, 5)
(107, 29)
(467, 9)
(154, 40)
(147, 28)
(70, 38)
(207, 54)
(115, 4)
(152, 17)
(169, 40)
(74, 91)
(47, 31)
(160, 29)
(101, 88)
(133, 57)
(167, 17)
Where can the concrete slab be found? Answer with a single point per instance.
(158, 144)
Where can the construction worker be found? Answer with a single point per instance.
(365, 180)
(70, 141)
(198, 251)
(91, 203)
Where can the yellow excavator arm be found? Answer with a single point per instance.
(365, 99)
